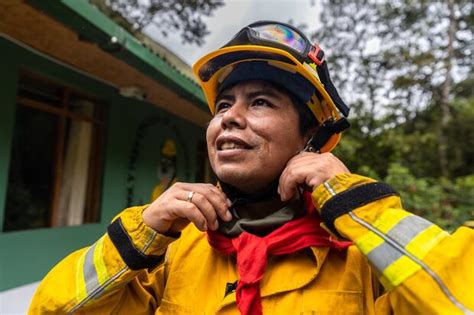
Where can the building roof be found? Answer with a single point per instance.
(140, 51)
(156, 47)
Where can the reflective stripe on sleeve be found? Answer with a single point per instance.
(99, 263)
(81, 292)
(398, 271)
(91, 271)
(408, 263)
(404, 229)
(422, 243)
(396, 244)
(94, 270)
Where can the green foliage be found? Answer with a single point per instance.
(411, 97)
(461, 134)
(448, 203)
(404, 156)
(169, 16)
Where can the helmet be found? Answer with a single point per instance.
(278, 52)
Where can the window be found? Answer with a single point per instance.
(56, 157)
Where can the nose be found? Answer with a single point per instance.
(235, 116)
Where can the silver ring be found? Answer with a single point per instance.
(190, 196)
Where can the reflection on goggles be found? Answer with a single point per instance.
(282, 35)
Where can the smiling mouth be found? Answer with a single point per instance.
(230, 145)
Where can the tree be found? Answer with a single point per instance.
(405, 67)
(397, 58)
(169, 16)
(430, 40)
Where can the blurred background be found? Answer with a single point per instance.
(100, 110)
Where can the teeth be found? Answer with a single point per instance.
(230, 146)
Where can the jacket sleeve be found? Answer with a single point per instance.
(124, 268)
(423, 269)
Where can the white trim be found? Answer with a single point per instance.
(329, 188)
(17, 300)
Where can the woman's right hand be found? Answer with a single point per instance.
(172, 211)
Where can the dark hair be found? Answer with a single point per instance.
(306, 118)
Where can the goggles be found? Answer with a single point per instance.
(279, 35)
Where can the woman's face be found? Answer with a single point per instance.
(254, 132)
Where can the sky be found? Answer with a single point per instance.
(233, 16)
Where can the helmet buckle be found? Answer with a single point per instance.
(316, 54)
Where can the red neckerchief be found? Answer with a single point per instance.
(252, 252)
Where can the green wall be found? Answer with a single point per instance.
(26, 256)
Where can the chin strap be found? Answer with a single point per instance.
(326, 131)
(323, 73)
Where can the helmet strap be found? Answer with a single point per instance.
(325, 132)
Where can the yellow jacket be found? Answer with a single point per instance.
(423, 269)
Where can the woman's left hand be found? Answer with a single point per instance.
(308, 169)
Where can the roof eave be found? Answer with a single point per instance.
(92, 25)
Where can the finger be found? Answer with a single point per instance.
(204, 189)
(206, 208)
(319, 167)
(189, 211)
(341, 164)
(282, 181)
(217, 198)
(306, 158)
(289, 180)
(323, 161)
(296, 173)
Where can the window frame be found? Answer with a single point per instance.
(96, 157)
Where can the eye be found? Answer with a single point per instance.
(220, 106)
(262, 102)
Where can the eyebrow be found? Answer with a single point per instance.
(225, 97)
(265, 91)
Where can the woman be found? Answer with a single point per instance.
(253, 244)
